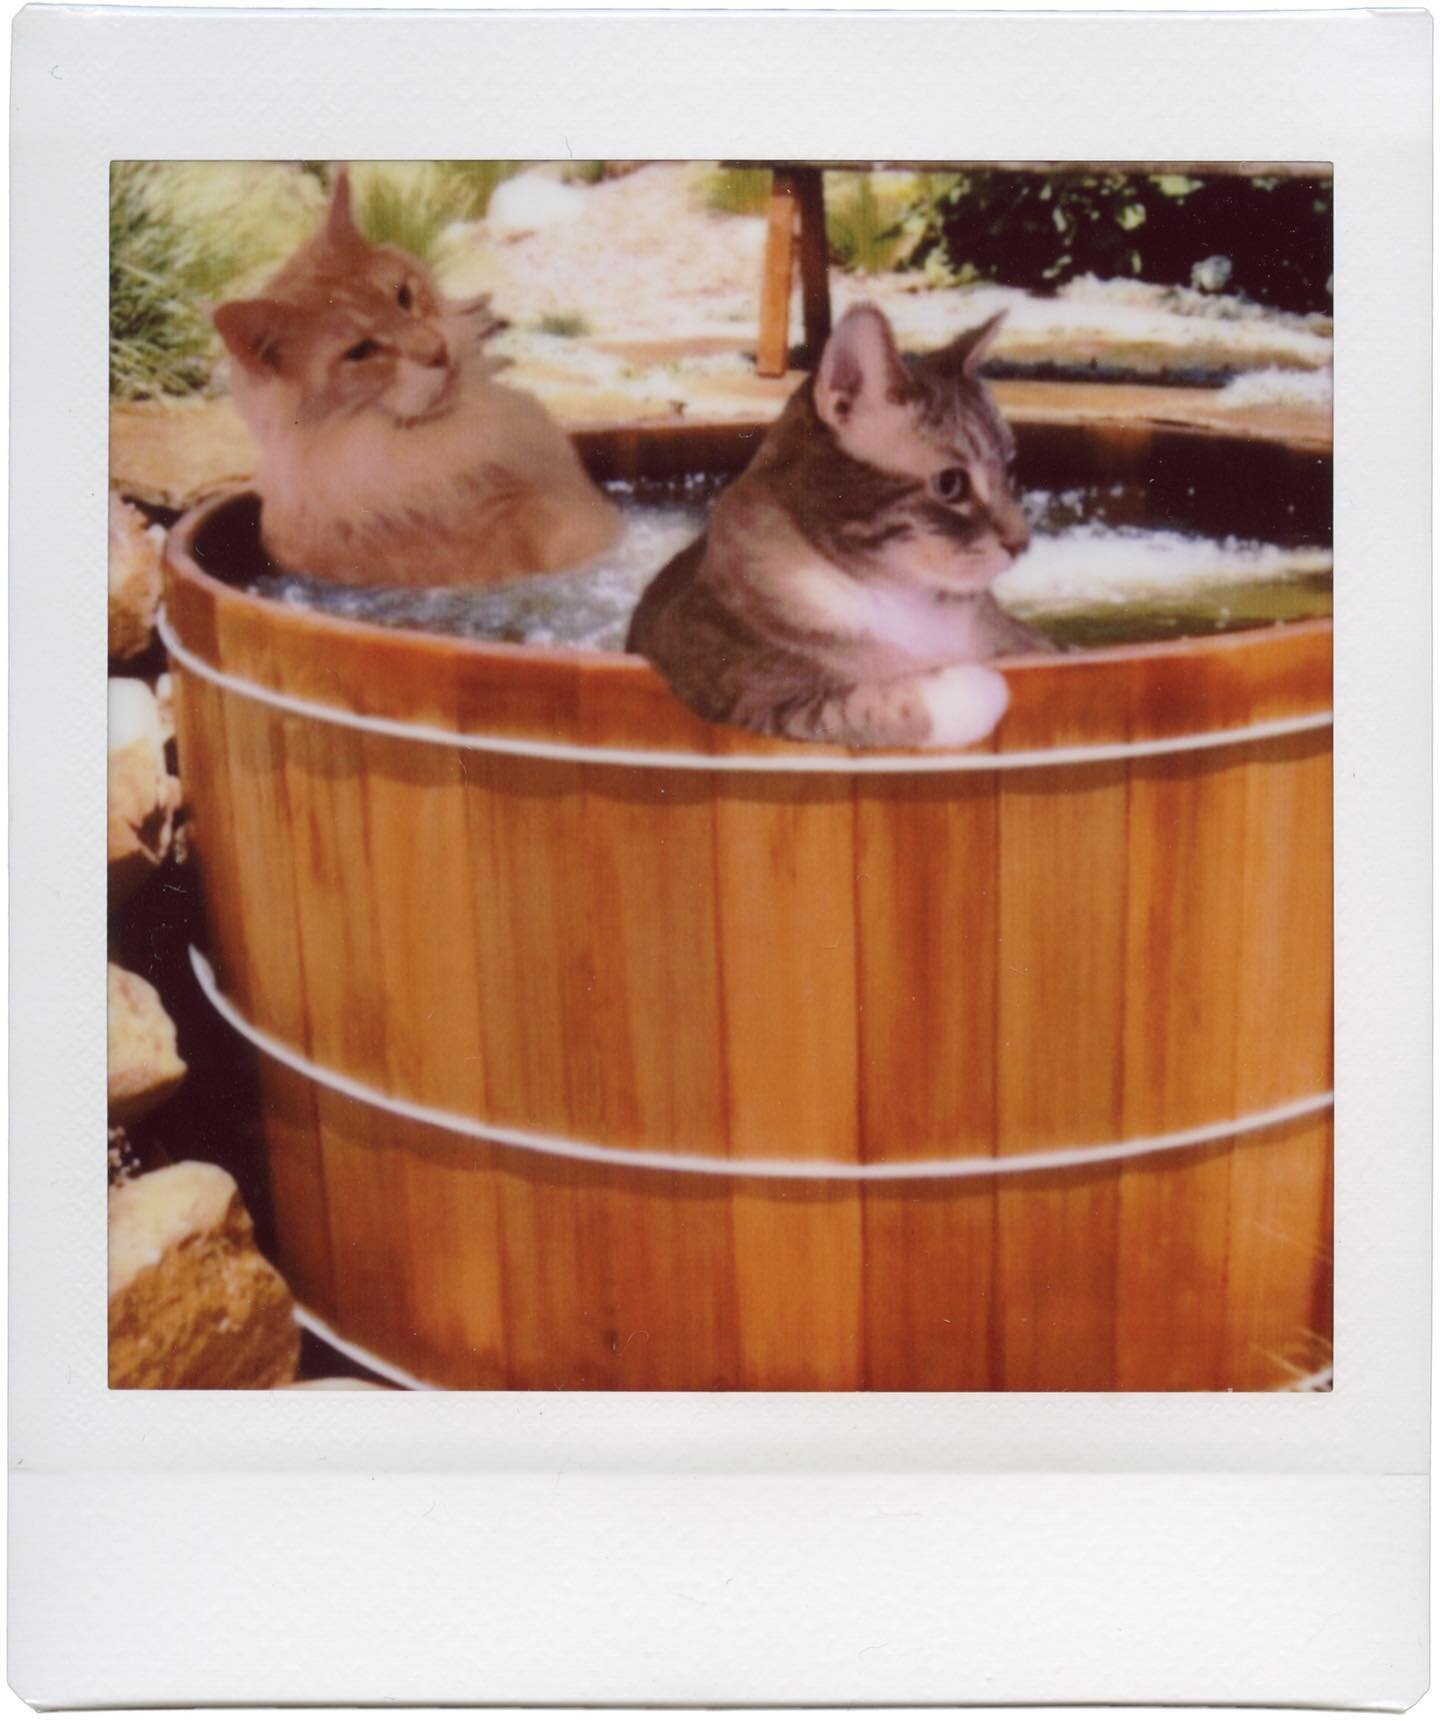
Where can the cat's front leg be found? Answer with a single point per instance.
(964, 703)
(946, 708)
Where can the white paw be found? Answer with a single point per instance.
(965, 703)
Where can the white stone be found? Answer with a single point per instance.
(143, 796)
(530, 202)
(144, 1066)
(134, 579)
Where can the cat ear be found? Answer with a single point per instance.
(254, 330)
(860, 363)
(340, 229)
(967, 351)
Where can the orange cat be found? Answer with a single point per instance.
(388, 455)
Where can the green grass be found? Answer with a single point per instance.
(863, 234)
(873, 221)
(478, 180)
(388, 213)
(184, 236)
(410, 204)
(738, 190)
(161, 272)
(570, 325)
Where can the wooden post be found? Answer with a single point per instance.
(814, 261)
(774, 345)
(797, 199)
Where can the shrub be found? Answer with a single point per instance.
(1268, 239)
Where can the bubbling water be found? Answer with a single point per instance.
(1092, 576)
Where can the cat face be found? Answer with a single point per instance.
(345, 327)
(933, 503)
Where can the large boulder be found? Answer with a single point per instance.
(134, 579)
(173, 453)
(142, 794)
(144, 1066)
(193, 1303)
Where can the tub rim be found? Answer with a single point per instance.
(1166, 689)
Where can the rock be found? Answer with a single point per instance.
(1212, 274)
(121, 1158)
(172, 453)
(134, 579)
(530, 202)
(193, 1303)
(143, 796)
(164, 691)
(334, 1383)
(144, 1066)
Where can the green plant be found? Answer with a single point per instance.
(408, 205)
(411, 203)
(161, 272)
(479, 180)
(1268, 239)
(569, 325)
(863, 234)
(738, 190)
(874, 221)
(389, 214)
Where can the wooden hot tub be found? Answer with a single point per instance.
(1006, 1070)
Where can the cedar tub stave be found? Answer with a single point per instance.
(808, 964)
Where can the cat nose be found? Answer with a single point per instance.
(427, 349)
(1014, 534)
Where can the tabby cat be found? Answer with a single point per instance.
(840, 592)
(388, 454)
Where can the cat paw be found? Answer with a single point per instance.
(964, 704)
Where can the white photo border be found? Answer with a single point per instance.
(89, 86)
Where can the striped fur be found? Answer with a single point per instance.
(841, 590)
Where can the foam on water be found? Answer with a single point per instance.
(1085, 580)
(590, 607)
(1090, 564)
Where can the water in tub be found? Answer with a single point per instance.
(1091, 577)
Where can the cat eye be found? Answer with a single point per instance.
(405, 298)
(362, 350)
(951, 485)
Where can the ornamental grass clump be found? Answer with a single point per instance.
(161, 272)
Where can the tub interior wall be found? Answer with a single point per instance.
(1198, 481)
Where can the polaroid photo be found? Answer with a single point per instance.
(766, 872)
